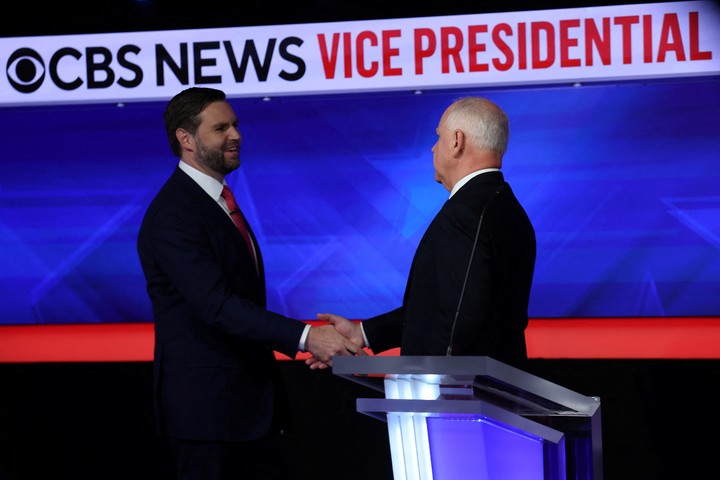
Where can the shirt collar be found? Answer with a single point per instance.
(469, 177)
(211, 186)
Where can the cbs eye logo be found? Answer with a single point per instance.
(25, 70)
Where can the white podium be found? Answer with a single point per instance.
(475, 418)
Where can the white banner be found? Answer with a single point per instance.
(615, 43)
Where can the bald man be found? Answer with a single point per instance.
(470, 279)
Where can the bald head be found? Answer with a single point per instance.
(484, 123)
(472, 135)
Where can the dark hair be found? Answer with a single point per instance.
(184, 109)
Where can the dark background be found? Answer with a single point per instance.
(95, 421)
(62, 18)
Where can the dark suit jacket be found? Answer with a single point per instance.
(214, 368)
(494, 311)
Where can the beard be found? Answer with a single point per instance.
(214, 159)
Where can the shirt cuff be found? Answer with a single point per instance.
(303, 338)
(362, 330)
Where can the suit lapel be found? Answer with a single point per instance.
(205, 203)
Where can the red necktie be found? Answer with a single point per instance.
(239, 220)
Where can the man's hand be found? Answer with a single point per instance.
(345, 328)
(325, 342)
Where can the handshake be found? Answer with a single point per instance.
(341, 337)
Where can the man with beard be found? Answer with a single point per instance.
(218, 398)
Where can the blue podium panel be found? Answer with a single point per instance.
(456, 439)
(480, 449)
(452, 418)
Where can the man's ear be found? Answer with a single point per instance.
(186, 141)
(459, 144)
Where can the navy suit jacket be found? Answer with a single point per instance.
(215, 372)
(493, 314)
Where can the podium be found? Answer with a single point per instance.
(457, 418)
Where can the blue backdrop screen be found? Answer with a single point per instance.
(621, 181)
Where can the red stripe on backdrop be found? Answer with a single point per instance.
(580, 338)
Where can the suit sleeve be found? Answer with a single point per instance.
(191, 257)
(384, 332)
